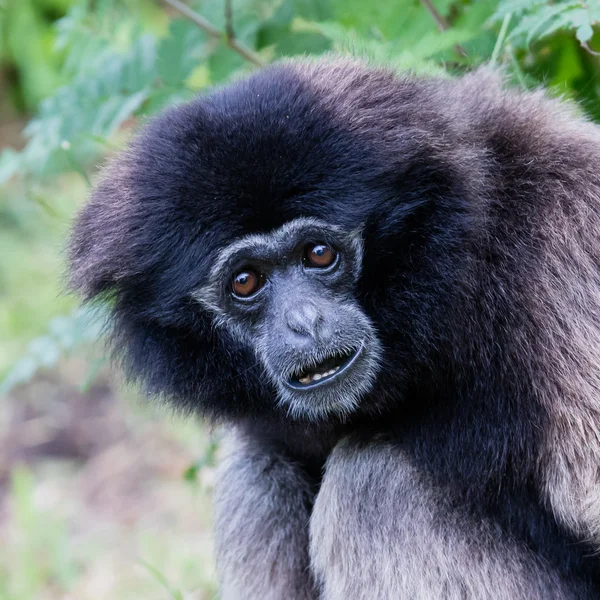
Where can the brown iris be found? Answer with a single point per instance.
(247, 282)
(319, 256)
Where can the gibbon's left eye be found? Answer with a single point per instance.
(319, 256)
(247, 282)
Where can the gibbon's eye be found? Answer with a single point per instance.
(319, 256)
(247, 282)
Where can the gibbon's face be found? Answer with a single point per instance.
(266, 246)
(289, 296)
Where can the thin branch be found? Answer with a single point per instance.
(439, 19)
(501, 39)
(211, 30)
(229, 32)
(585, 46)
(516, 66)
(442, 23)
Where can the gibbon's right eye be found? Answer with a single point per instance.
(247, 282)
(319, 256)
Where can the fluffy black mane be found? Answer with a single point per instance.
(480, 216)
(248, 159)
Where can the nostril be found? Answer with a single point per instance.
(296, 328)
(303, 319)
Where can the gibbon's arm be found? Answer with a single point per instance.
(381, 530)
(262, 510)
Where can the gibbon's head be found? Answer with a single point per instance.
(282, 245)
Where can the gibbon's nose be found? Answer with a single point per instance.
(304, 318)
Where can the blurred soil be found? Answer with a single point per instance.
(110, 474)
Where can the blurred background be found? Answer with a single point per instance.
(102, 495)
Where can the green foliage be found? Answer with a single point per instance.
(117, 61)
(414, 57)
(65, 334)
(26, 41)
(173, 593)
(553, 43)
(538, 19)
(117, 69)
(208, 459)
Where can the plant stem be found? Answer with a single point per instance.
(501, 38)
(442, 23)
(214, 32)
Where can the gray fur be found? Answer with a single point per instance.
(381, 529)
(262, 509)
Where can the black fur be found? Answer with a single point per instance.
(480, 216)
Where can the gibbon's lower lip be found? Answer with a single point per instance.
(325, 372)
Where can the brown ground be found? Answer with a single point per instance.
(93, 503)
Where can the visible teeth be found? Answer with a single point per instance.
(308, 377)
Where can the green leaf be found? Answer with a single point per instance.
(23, 370)
(414, 58)
(26, 35)
(399, 20)
(164, 582)
(9, 164)
(45, 350)
(540, 19)
(84, 326)
(515, 8)
(584, 33)
(543, 16)
(180, 52)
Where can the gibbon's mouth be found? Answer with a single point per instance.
(326, 371)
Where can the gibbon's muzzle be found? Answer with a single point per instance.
(325, 371)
